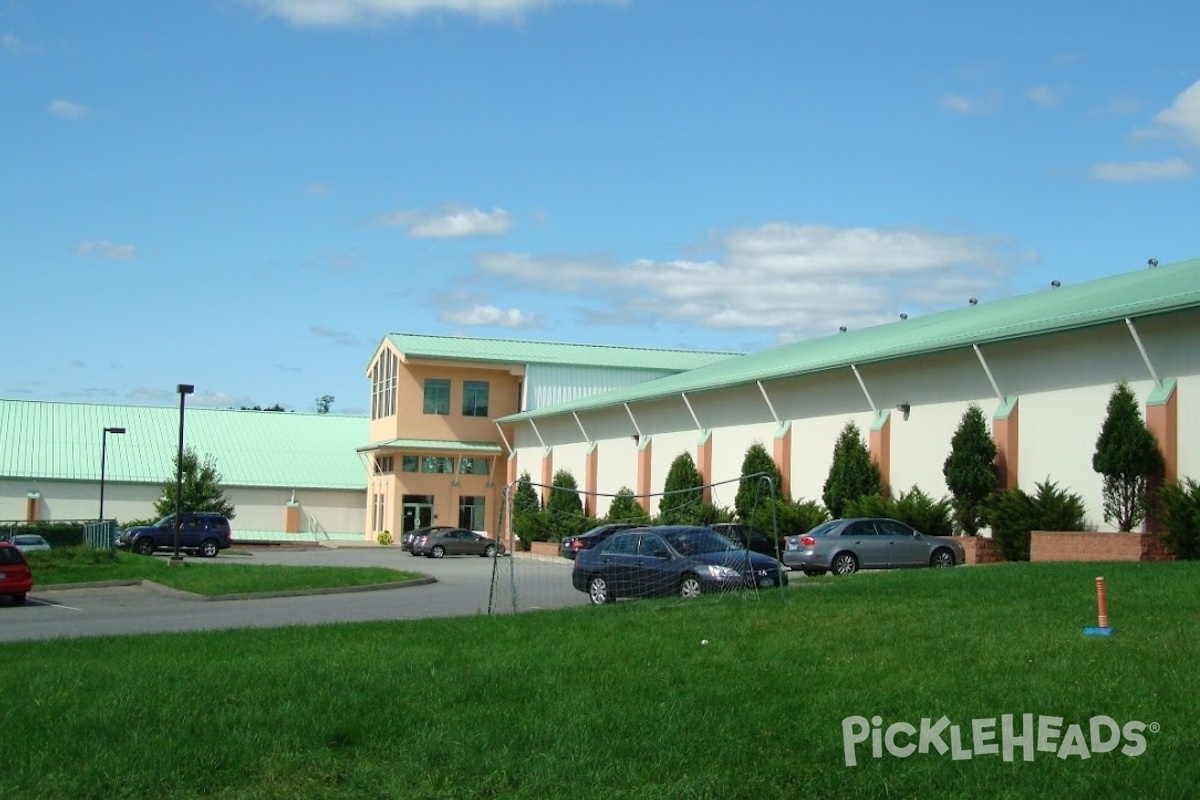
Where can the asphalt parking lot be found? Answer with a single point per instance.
(463, 586)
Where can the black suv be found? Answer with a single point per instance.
(586, 541)
(205, 533)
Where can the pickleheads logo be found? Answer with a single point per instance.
(989, 737)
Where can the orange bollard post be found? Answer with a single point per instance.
(1102, 607)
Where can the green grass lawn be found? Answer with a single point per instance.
(203, 576)
(624, 702)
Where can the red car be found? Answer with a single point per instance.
(15, 577)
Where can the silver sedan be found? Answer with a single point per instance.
(845, 546)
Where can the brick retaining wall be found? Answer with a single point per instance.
(1093, 546)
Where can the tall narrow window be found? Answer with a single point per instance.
(437, 396)
(475, 398)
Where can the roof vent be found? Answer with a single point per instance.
(903, 316)
(842, 328)
(973, 301)
(1055, 283)
(1152, 263)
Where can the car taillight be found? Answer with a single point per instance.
(807, 541)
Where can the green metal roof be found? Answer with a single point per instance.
(485, 448)
(1104, 300)
(61, 441)
(513, 351)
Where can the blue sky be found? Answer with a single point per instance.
(247, 195)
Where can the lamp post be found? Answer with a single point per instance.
(103, 455)
(184, 390)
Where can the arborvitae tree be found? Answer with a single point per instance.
(525, 499)
(625, 507)
(201, 488)
(970, 469)
(1127, 455)
(565, 506)
(756, 492)
(852, 473)
(682, 499)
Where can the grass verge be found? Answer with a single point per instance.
(85, 565)
(624, 702)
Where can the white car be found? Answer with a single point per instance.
(30, 542)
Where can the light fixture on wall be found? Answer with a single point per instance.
(904, 408)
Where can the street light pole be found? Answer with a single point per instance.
(103, 454)
(184, 390)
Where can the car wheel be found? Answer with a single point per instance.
(438, 551)
(144, 546)
(411, 553)
(690, 586)
(18, 599)
(209, 549)
(845, 564)
(489, 551)
(813, 573)
(942, 558)
(598, 591)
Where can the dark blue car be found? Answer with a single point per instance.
(671, 560)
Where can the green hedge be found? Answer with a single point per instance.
(58, 534)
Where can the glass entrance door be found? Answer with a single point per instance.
(416, 511)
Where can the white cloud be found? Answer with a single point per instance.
(109, 251)
(795, 279)
(1181, 120)
(328, 13)
(490, 315)
(1138, 171)
(67, 109)
(1046, 96)
(450, 222)
(960, 104)
(341, 338)
(14, 46)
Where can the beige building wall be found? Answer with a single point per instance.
(255, 509)
(812, 450)
(616, 469)
(1058, 438)
(1188, 418)
(921, 444)
(729, 451)
(668, 447)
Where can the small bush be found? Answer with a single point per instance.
(914, 508)
(1179, 506)
(1013, 514)
(793, 517)
(385, 537)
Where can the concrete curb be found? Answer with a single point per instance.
(167, 590)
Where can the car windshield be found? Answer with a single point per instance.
(165, 522)
(697, 542)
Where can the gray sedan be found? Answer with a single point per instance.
(845, 546)
(30, 542)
